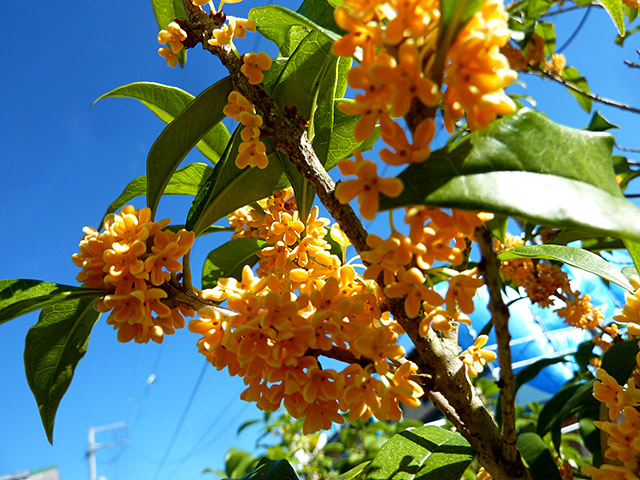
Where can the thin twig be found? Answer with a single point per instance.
(569, 9)
(575, 33)
(629, 149)
(490, 268)
(592, 96)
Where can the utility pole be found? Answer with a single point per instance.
(94, 447)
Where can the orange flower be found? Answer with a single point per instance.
(252, 153)
(170, 57)
(253, 65)
(237, 105)
(475, 357)
(174, 35)
(411, 283)
(367, 187)
(405, 152)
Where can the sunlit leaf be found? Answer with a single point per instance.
(230, 188)
(572, 76)
(229, 259)
(526, 166)
(181, 135)
(19, 297)
(576, 257)
(425, 453)
(274, 23)
(167, 103)
(599, 124)
(53, 348)
(185, 181)
(614, 9)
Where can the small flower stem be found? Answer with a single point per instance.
(187, 281)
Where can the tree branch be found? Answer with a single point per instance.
(490, 268)
(592, 96)
(452, 391)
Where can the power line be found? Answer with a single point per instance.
(187, 407)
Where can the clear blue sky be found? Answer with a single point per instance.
(63, 163)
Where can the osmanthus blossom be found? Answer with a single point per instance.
(475, 357)
(253, 65)
(367, 186)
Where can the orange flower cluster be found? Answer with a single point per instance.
(398, 45)
(251, 152)
(253, 65)
(133, 256)
(173, 36)
(234, 28)
(301, 304)
(405, 264)
(622, 429)
(545, 284)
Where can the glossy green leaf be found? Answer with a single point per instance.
(185, 181)
(229, 259)
(538, 457)
(272, 470)
(238, 462)
(633, 247)
(181, 135)
(624, 172)
(342, 142)
(576, 257)
(599, 124)
(320, 12)
(614, 9)
(572, 399)
(572, 76)
(619, 360)
(167, 103)
(535, 8)
(53, 348)
(526, 166)
(274, 22)
(354, 472)
(230, 188)
(498, 227)
(425, 453)
(19, 297)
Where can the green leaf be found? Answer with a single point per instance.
(306, 75)
(614, 9)
(185, 181)
(272, 470)
(53, 348)
(425, 453)
(536, 8)
(320, 12)
(526, 375)
(19, 297)
(182, 134)
(599, 124)
(538, 457)
(624, 172)
(274, 22)
(591, 436)
(547, 32)
(572, 76)
(633, 247)
(229, 259)
(620, 360)
(230, 188)
(630, 12)
(238, 462)
(498, 227)
(526, 166)
(576, 257)
(342, 142)
(167, 103)
(166, 11)
(354, 472)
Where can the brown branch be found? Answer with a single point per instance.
(490, 268)
(452, 392)
(592, 96)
